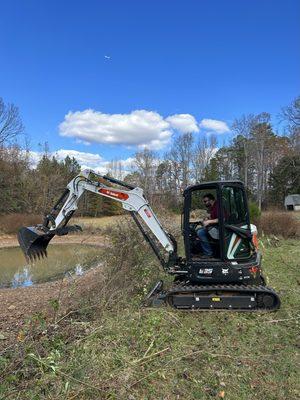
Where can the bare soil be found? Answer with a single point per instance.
(18, 305)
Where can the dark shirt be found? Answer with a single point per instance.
(214, 211)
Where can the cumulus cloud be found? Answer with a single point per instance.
(86, 160)
(140, 128)
(183, 122)
(90, 160)
(214, 125)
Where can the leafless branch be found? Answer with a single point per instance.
(10, 122)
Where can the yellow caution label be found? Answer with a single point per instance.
(216, 299)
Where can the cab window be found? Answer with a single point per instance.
(235, 215)
(235, 210)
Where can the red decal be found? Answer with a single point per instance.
(255, 240)
(254, 269)
(114, 194)
(148, 213)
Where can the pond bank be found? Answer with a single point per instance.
(17, 305)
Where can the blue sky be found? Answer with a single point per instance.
(212, 60)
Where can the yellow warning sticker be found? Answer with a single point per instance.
(216, 299)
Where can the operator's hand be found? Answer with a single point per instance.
(206, 222)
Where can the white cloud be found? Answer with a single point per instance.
(34, 157)
(140, 128)
(183, 122)
(86, 160)
(89, 159)
(214, 125)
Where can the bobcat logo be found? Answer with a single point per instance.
(225, 271)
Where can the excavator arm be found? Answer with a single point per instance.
(35, 239)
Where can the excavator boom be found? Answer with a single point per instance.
(34, 240)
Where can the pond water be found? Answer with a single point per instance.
(69, 259)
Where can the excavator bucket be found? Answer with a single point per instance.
(34, 241)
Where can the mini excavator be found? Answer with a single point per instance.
(228, 279)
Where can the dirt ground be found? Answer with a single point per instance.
(17, 305)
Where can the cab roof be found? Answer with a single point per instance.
(215, 184)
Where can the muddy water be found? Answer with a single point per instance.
(63, 259)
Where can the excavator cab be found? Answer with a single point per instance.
(222, 251)
(230, 236)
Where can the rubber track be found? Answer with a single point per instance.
(252, 290)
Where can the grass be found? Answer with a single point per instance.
(10, 223)
(90, 224)
(96, 223)
(119, 350)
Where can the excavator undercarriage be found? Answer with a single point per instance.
(215, 297)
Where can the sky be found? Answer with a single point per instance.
(101, 80)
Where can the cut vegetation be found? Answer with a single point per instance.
(106, 346)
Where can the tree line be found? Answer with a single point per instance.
(267, 162)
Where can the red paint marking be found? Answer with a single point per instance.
(254, 269)
(114, 194)
(255, 240)
(148, 213)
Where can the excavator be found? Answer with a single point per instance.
(230, 278)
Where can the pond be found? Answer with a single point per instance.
(64, 259)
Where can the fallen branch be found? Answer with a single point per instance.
(75, 311)
(149, 348)
(150, 356)
(272, 321)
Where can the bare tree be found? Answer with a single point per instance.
(291, 115)
(115, 169)
(181, 157)
(260, 143)
(243, 127)
(204, 150)
(10, 122)
(173, 175)
(146, 162)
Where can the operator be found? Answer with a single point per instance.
(212, 205)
